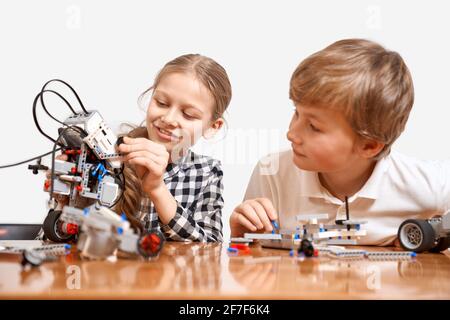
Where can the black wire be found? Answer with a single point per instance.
(71, 89)
(29, 160)
(36, 122)
(40, 96)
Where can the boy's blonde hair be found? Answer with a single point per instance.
(371, 85)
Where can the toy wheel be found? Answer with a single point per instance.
(443, 244)
(52, 227)
(416, 235)
(151, 243)
(307, 248)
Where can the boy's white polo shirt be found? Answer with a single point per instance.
(399, 188)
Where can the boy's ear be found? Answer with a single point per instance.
(370, 148)
(216, 126)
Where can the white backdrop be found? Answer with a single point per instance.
(111, 50)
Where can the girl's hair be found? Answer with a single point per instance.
(214, 77)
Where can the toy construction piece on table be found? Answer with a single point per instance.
(34, 252)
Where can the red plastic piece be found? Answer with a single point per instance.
(151, 242)
(243, 248)
(239, 246)
(71, 228)
(73, 170)
(316, 253)
(79, 188)
(72, 152)
(46, 184)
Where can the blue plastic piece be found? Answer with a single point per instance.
(413, 254)
(321, 230)
(119, 230)
(123, 216)
(67, 246)
(94, 172)
(358, 227)
(291, 253)
(85, 211)
(275, 224)
(232, 249)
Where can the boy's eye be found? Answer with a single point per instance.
(313, 128)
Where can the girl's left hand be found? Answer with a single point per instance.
(150, 160)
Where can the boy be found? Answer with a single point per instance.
(352, 101)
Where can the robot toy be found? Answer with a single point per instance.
(92, 180)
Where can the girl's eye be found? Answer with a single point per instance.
(161, 104)
(188, 116)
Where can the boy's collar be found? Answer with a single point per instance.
(312, 188)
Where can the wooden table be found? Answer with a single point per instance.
(209, 271)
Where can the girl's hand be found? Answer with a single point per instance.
(254, 215)
(150, 160)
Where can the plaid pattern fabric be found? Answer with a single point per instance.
(195, 181)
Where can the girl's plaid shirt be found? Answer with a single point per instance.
(195, 181)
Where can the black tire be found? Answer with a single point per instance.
(151, 243)
(51, 227)
(307, 248)
(416, 235)
(443, 244)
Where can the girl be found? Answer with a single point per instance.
(168, 185)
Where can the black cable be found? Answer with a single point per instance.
(29, 160)
(71, 89)
(40, 97)
(36, 122)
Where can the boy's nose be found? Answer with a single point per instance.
(293, 136)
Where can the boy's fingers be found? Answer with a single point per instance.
(259, 209)
(242, 220)
(268, 207)
(250, 213)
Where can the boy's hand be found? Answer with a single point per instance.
(254, 215)
(150, 159)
